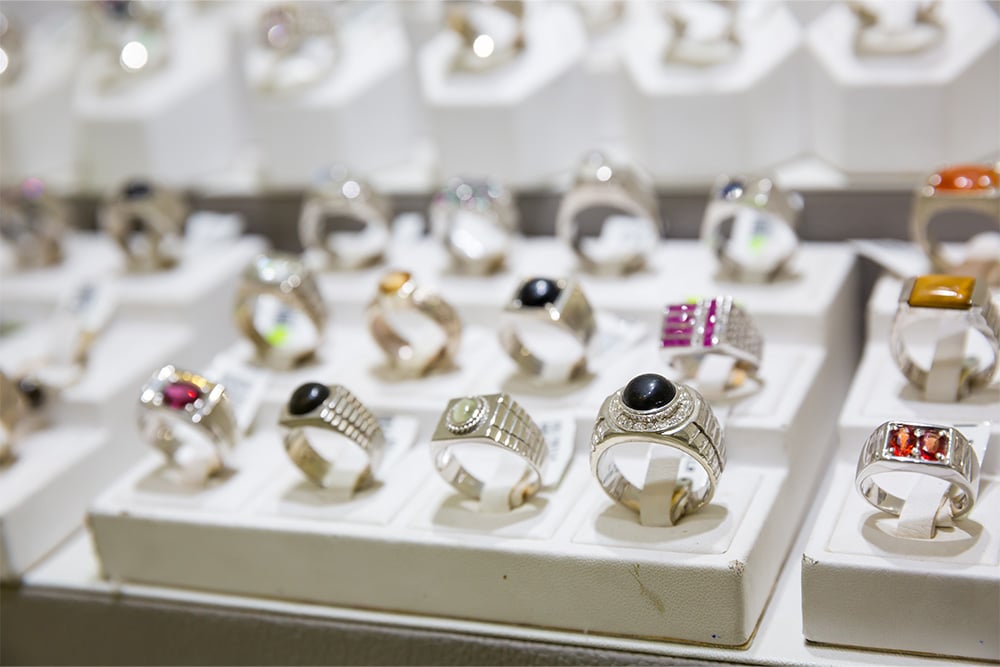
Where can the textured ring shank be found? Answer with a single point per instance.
(396, 344)
(507, 426)
(962, 472)
(344, 414)
(698, 436)
(927, 206)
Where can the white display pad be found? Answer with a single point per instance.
(863, 586)
(44, 494)
(614, 576)
(688, 124)
(198, 293)
(880, 393)
(177, 125)
(523, 122)
(85, 439)
(370, 93)
(855, 100)
(35, 111)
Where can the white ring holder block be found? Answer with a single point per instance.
(689, 123)
(365, 113)
(522, 122)
(63, 464)
(853, 99)
(35, 119)
(195, 292)
(178, 124)
(863, 567)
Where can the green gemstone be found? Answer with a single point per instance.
(463, 410)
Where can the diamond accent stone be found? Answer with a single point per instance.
(676, 412)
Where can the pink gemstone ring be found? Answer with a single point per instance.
(188, 418)
(710, 326)
(927, 449)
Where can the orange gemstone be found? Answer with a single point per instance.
(965, 178)
(942, 291)
(393, 281)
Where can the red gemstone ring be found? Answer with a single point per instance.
(969, 187)
(188, 418)
(928, 449)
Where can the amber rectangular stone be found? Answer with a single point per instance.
(942, 291)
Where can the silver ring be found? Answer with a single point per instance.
(331, 408)
(34, 221)
(279, 289)
(605, 187)
(742, 251)
(338, 197)
(927, 449)
(187, 417)
(493, 420)
(559, 304)
(874, 38)
(147, 222)
(962, 187)
(946, 296)
(652, 410)
(133, 33)
(688, 49)
(300, 44)
(475, 219)
(396, 319)
(14, 408)
(711, 326)
(482, 49)
(11, 50)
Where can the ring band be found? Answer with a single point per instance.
(684, 48)
(602, 184)
(872, 39)
(558, 303)
(946, 296)
(338, 195)
(495, 420)
(938, 451)
(480, 50)
(181, 412)
(475, 219)
(290, 286)
(333, 408)
(711, 326)
(966, 187)
(652, 410)
(741, 250)
(146, 221)
(397, 298)
(14, 407)
(299, 45)
(34, 221)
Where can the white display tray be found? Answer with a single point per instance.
(568, 558)
(199, 291)
(87, 442)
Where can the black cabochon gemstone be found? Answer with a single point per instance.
(307, 398)
(648, 391)
(539, 292)
(137, 189)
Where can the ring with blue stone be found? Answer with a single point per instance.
(147, 223)
(652, 410)
(749, 224)
(555, 302)
(335, 409)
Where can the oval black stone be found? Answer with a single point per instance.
(733, 190)
(32, 391)
(648, 392)
(307, 398)
(137, 189)
(538, 292)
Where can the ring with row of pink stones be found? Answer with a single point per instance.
(718, 325)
